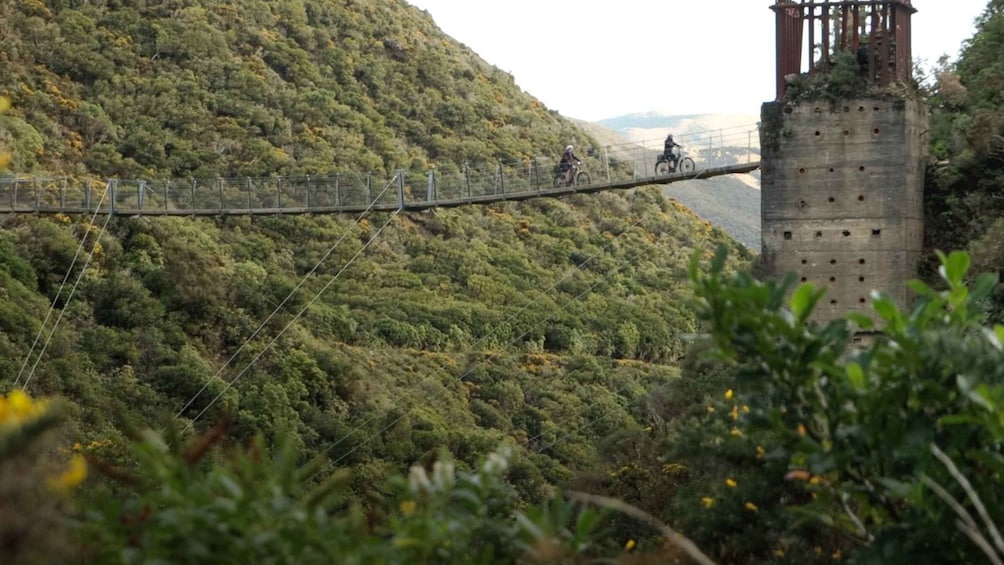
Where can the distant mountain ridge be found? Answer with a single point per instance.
(731, 202)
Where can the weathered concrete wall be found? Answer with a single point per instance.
(842, 196)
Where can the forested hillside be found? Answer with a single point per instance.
(371, 343)
(247, 87)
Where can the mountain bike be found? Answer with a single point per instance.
(579, 177)
(684, 164)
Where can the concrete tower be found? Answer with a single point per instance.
(843, 152)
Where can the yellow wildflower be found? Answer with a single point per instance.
(736, 432)
(74, 474)
(707, 501)
(760, 452)
(730, 483)
(18, 407)
(815, 480)
(801, 429)
(836, 555)
(779, 553)
(407, 507)
(629, 545)
(734, 414)
(746, 409)
(818, 550)
(750, 506)
(711, 409)
(729, 394)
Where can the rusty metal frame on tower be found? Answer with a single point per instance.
(876, 31)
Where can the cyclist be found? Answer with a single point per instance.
(671, 155)
(568, 163)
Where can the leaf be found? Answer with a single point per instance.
(856, 376)
(860, 320)
(983, 286)
(803, 300)
(955, 267)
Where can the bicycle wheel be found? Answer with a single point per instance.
(559, 181)
(687, 165)
(581, 178)
(662, 168)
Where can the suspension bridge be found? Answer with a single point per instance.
(613, 167)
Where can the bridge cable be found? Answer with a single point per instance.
(73, 290)
(568, 273)
(257, 330)
(291, 322)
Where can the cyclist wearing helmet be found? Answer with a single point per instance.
(671, 155)
(567, 163)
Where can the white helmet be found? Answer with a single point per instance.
(569, 148)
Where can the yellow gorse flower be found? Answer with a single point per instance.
(730, 483)
(707, 501)
(729, 394)
(17, 408)
(408, 507)
(629, 545)
(73, 475)
(750, 506)
(760, 452)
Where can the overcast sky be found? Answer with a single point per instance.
(595, 59)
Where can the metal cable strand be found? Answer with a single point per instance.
(66, 277)
(303, 280)
(488, 358)
(295, 318)
(69, 297)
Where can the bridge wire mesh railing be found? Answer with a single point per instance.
(483, 181)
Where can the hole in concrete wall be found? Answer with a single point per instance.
(847, 233)
(847, 109)
(805, 261)
(831, 199)
(802, 203)
(833, 302)
(805, 279)
(832, 169)
(862, 300)
(875, 131)
(861, 279)
(819, 234)
(801, 171)
(876, 108)
(861, 261)
(846, 132)
(833, 279)
(788, 109)
(861, 108)
(876, 233)
(833, 261)
(787, 235)
(817, 110)
(861, 168)
(861, 198)
(819, 133)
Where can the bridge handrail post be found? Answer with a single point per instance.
(430, 193)
(606, 161)
(278, 194)
(501, 177)
(194, 183)
(13, 194)
(536, 173)
(111, 190)
(167, 193)
(62, 196)
(369, 189)
(221, 195)
(338, 198)
(467, 181)
(307, 193)
(87, 197)
(400, 189)
(140, 194)
(249, 195)
(38, 194)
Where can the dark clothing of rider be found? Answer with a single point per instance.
(669, 153)
(568, 160)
